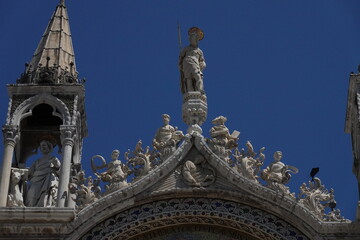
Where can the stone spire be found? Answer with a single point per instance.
(54, 59)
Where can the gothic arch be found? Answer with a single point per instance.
(25, 108)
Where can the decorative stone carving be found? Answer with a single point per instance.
(335, 216)
(197, 172)
(86, 190)
(167, 138)
(316, 198)
(277, 174)
(48, 74)
(194, 111)
(16, 189)
(207, 211)
(140, 162)
(43, 178)
(222, 142)
(10, 133)
(192, 63)
(116, 173)
(246, 164)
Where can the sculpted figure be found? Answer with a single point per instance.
(140, 162)
(197, 172)
(246, 164)
(316, 198)
(15, 197)
(115, 174)
(192, 63)
(43, 178)
(166, 138)
(85, 189)
(277, 174)
(222, 142)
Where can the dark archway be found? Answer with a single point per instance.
(43, 123)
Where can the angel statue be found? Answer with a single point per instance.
(116, 173)
(192, 63)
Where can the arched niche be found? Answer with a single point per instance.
(42, 121)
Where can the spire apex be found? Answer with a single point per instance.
(54, 55)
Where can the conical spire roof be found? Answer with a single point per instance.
(54, 54)
(56, 42)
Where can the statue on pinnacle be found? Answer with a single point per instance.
(192, 63)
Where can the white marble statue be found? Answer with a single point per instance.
(222, 142)
(192, 63)
(15, 197)
(115, 174)
(277, 174)
(43, 178)
(166, 138)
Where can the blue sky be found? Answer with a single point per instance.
(278, 70)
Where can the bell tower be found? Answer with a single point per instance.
(46, 103)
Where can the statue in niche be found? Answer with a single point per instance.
(277, 174)
(192, 63)
(116, 173)
(16, 188)
(197, 172)
(222, 142)
(43, 178)
(167, 138)
(246, 164)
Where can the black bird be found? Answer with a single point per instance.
(313, 172)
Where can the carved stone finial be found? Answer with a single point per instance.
(194, 110)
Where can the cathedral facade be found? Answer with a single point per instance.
(185, 186)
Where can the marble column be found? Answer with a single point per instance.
(67, 136)
(11, 135)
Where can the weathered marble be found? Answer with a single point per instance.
(116, 173)
(43, 178)
(167, 138)
(221, 141)
(247, 164)
(16, 189)
(277, 174)
(192, 63)
(197, 172)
